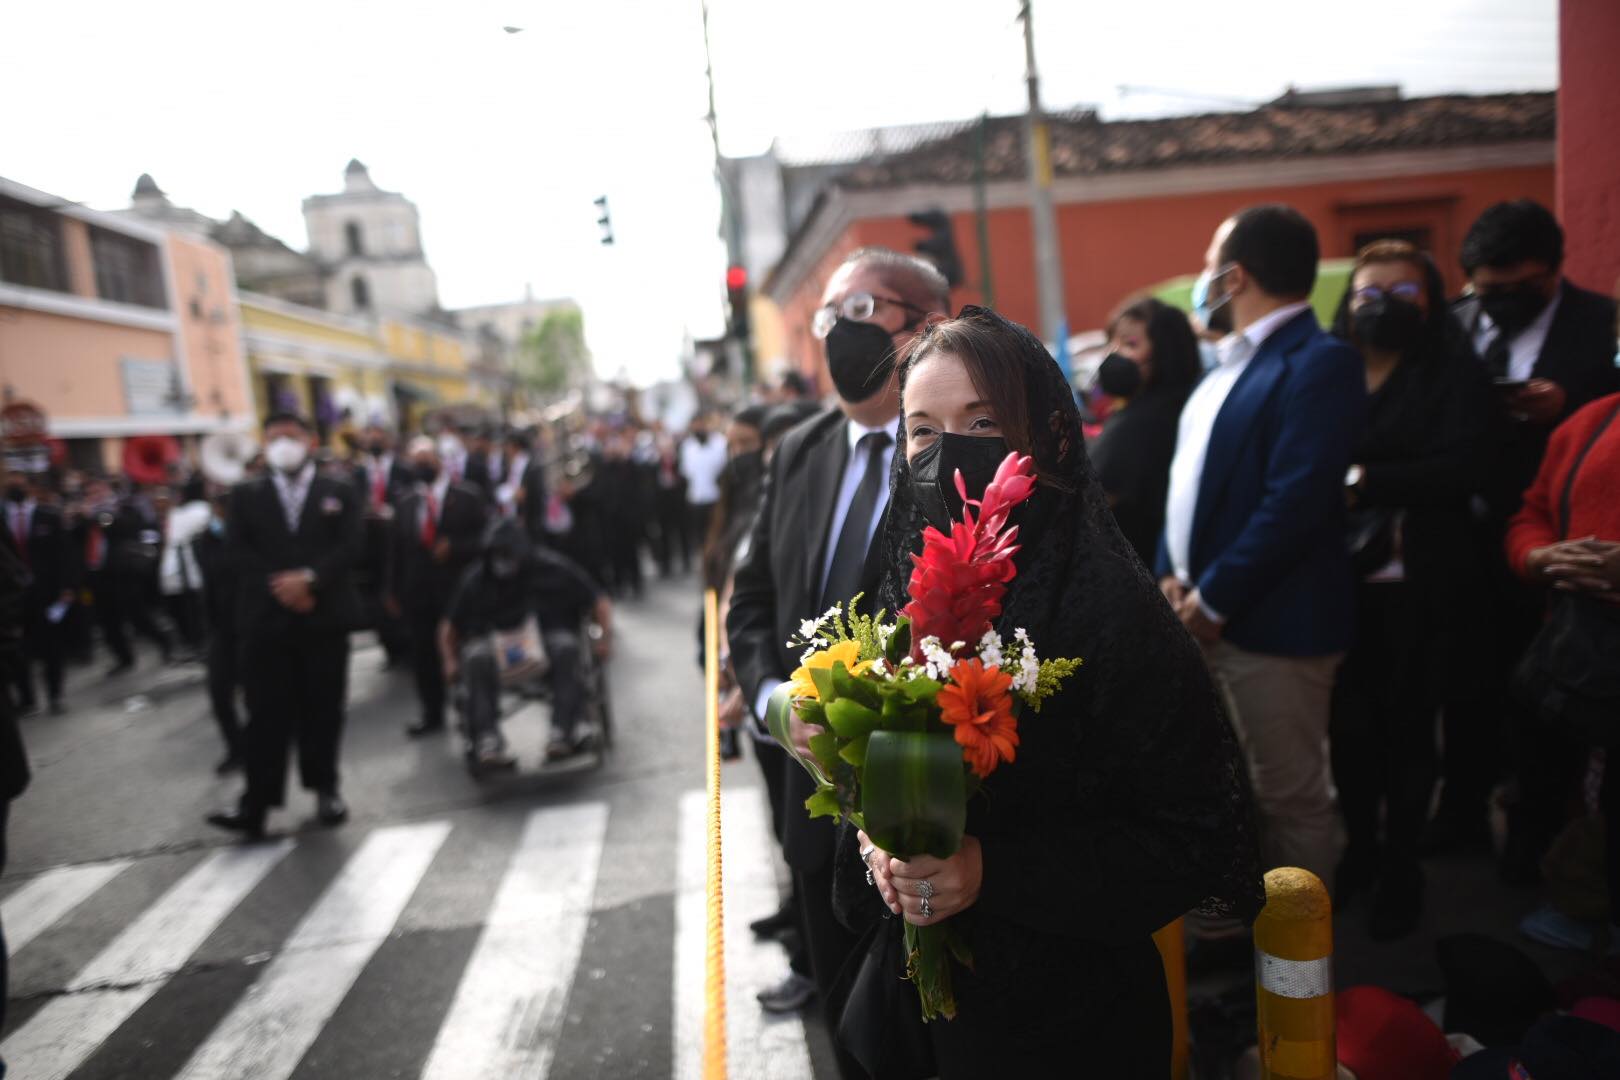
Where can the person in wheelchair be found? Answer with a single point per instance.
(515, 598)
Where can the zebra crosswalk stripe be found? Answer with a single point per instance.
(509, 1006)
(35, 907)
(268, 1031)
(138, 962)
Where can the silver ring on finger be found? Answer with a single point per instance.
(925, 889)
(927, 910)
(866, 855)
(869, 880)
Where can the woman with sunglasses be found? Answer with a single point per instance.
(1420, 460)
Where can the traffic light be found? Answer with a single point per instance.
(737, 298)
(604, 219)
(939, 246)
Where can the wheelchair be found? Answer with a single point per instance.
(593, 729)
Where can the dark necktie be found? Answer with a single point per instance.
(1498, 357)
(849, 555)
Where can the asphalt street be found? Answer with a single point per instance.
(547, 922)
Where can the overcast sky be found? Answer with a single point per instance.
(503, 140)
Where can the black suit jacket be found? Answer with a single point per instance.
(1578, 355)
(778, 584)
(420, 581)
(531, 509)
(327, 541)
(52, 556)
(397, 483)
(13, 758)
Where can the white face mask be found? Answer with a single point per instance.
(285, 454)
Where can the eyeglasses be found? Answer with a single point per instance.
(1410, 291)
(857, 307)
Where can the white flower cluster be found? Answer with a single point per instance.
(937, 660)
(879, 667)
(990, 648)
(810, 630)
(1028, 669)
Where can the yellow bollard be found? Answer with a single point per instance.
(714, 968)
(1172, 943)
(1293, 960)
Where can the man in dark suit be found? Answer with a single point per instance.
(482, 467)
(44, 543)
(1253, 555)
(520, 485)
(812, 546)
(293, 541)
(382, 478)
(14, 774)
(222, 658)
(436, 535)
(1550, 346)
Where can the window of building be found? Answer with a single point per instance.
(127, 269)
(352, 238)
(30, 247)
(360, 293)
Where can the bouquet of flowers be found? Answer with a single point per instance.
(910, 716)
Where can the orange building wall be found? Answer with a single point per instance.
(1588, 152)
(1113, 249)
(70, 367)
(211, 330)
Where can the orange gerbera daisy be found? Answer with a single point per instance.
(977, 702)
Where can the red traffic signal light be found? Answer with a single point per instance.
(736, 277)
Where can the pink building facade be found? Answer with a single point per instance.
(115, 328)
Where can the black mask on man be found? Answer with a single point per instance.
(1514, 309)
(743, 470)
(425, 471)
(1396, 325)
(17, 493)
(933, 474)
(860, 357)
(1119, 376)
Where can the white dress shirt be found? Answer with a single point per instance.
(1524, 350)
(854, 470)
(701, 463)
(293, 491)
(1198, 421)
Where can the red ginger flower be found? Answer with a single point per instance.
(977, 703)
(958, 581)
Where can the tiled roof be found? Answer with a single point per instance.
(1084, 145)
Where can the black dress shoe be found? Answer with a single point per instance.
(788, 996)
(424, 727)
(772, 926)
(330, 808)
(248, 824)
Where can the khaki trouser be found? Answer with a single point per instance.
(1280, 707)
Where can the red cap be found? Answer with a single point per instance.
(1383, 1036)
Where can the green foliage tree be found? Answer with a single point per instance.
(552, 357)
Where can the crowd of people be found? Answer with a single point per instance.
(1393, 540)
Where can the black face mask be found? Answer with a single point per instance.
(1388, 324)
(860, 357)
(1119, 376)
(933, 474)
(742, 470)
(17, 494)
(425, 472)
(376, 449)
(1514, 309)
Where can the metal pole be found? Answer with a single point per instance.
(1048, 259)
(730, 222)
(987, 288)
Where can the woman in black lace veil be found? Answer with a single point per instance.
(1127, 805)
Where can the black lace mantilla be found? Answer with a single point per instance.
(1144, 747)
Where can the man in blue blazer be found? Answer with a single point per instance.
(1253, 554)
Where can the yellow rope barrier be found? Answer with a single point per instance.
(714, 970)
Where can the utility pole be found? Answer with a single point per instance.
(730, 214)
(1048, 259)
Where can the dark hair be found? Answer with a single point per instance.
(787, 415)
(917, 280)
(1513, 232)
(193, 490)
(1177, 366)
(285, 417)
(796, 384)
(994, 359)
(750, 416)
(1276, 246)
(1441, 332)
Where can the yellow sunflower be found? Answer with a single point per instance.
(847, 652)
